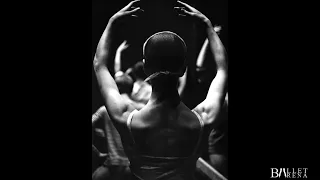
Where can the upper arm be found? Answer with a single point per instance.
(208, 111)
(210, 108)
(115, 104)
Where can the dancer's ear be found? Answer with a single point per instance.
(145, 69)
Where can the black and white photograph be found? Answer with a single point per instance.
(139, 90)
(160, 90)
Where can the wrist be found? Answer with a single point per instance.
(111, 23)
(207, 22)
(111, 20)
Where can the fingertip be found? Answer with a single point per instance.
(136, 9)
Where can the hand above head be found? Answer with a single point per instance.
(113, 33)
(132, 10)
(117, 66)
(123, 46)
(112, 37)
(186, 10)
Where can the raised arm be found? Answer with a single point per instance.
(210, 107)
(218, 88)
(202, 53)
(116, 106)
(121, 48)
(204, 49)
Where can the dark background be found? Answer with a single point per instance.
(273, 87)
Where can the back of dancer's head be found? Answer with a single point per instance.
(124, 83)
(165, 52)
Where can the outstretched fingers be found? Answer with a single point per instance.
(135, 3)
(182, 11)
(133, 9)
(187, 10)
(135, 12)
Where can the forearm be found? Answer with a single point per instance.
(117, 63)
(106, 48)
(219, 84)
(216, 47)
(202, 53)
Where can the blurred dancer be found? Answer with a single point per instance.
(116, 163)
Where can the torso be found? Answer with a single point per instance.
(165, 132)
(160, 142)
(161, 131)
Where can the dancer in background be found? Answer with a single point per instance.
(115, 163)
